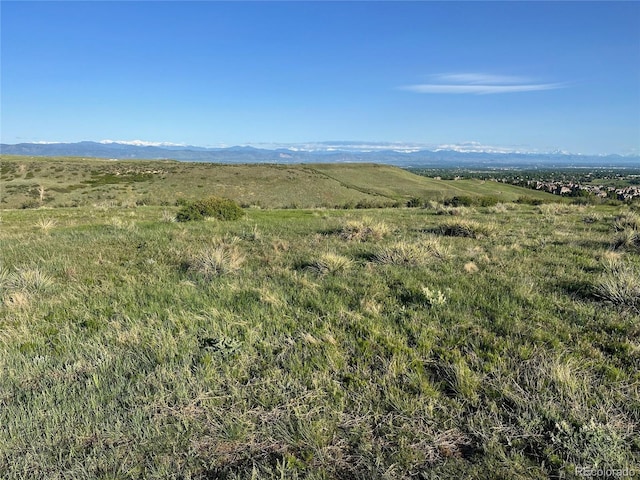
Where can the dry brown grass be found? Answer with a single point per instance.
(46, 224)
(221, 259)
(470, 267)
(330, 263)
(363, 230)
(620, 285)
(627, 239)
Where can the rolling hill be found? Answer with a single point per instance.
(65, 181)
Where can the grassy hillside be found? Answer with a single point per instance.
(502, 342)
(33, 182)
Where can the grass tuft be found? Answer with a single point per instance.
(408, 254)
(27, 280)
(620, 285)
(627, 220)
(499, 208)
(46, 224)
(330, 263)
(168, 217)
(221, 259)
(627, 239)
(435, 249)
(363, 230)
(16, 300)
(591, 217)
(552, 209)
(471, 267)
(466, 228)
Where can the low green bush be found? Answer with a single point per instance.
(468, 201)
(488, 201)
(415, 202)
(214, 207)
(461, 201)
(31, 203)
(531, 201)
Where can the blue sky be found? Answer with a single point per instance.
(529, 76)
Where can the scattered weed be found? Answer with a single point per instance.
(434, 298)
(168, 217)
(253, 234)
(120, 224)
(46, 224)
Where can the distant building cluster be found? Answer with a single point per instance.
(571, 189)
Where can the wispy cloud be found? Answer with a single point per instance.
(479, 84)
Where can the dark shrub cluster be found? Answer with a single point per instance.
(31, 203)
(462, 201)
(531, 201)
(465, 228)
(468, 201)
(415, 202)
(215, 207)
(367, 204)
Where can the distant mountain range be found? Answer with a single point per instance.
(464, 156)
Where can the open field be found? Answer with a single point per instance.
(390, 343)
(32, 182)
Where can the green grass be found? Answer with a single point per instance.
(74, 182)
(281, 346)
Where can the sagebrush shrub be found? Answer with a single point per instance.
(211, 207)
(460, 201)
